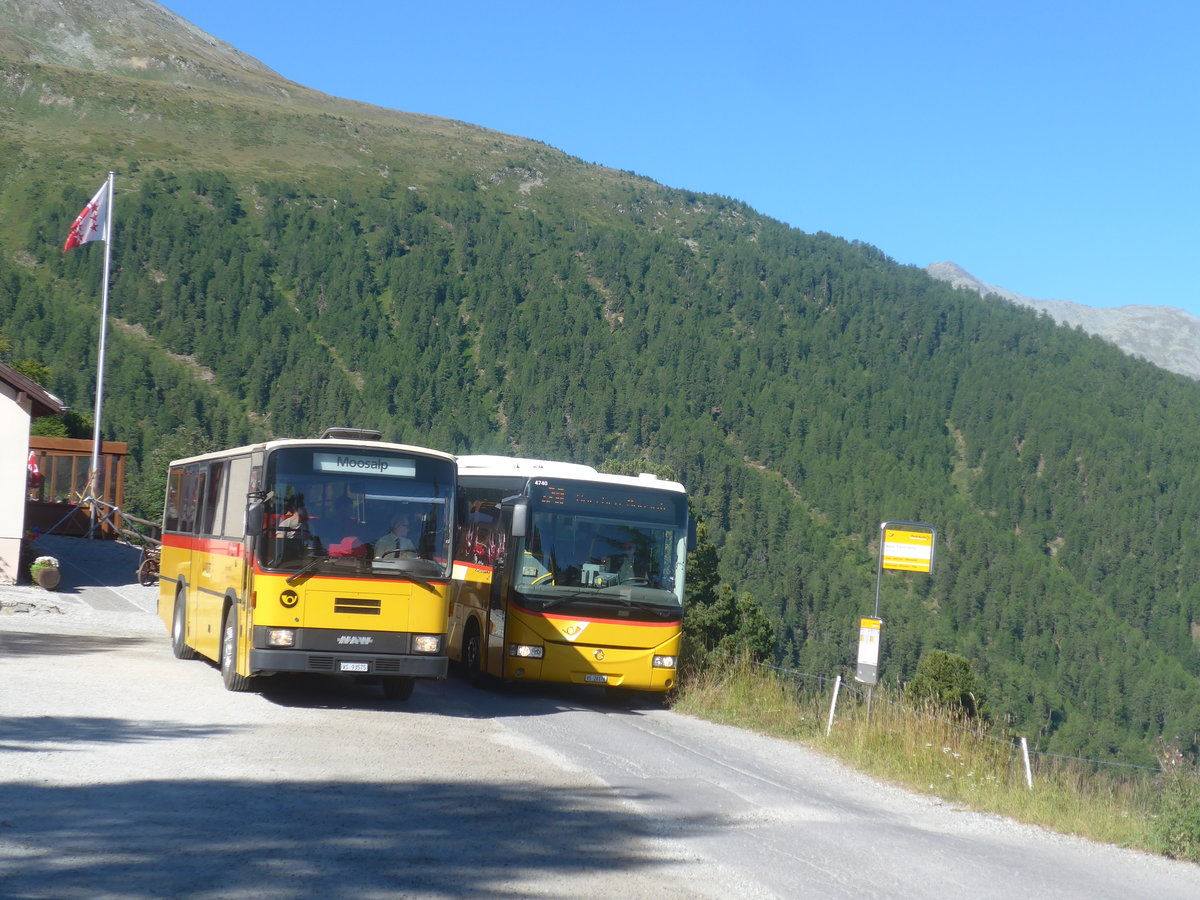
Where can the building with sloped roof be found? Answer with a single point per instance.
(21, 401)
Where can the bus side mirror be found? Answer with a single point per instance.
(691, 535)
(254, 518)
(520, 519)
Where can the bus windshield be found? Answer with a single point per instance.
(378, 511)
(596, 543)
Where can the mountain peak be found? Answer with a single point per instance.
(959, 277)
(1163, 335)
(139, 38)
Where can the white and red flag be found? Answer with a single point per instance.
(95, 224)
(92, 223)
(33, 474)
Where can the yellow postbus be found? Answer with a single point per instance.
(563, 574)
(327, 556)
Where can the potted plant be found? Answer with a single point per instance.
(45, 572)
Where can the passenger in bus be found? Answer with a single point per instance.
(626, 562)
(339, 530)
(292, 518)
(483, 538)
(396, 543)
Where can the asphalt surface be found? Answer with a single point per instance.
(125, 772)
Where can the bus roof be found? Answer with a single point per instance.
(326, 443)
(519, 467)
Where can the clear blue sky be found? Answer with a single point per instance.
(1049, 148)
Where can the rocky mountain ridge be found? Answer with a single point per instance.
(139, 38)
(1163, 335)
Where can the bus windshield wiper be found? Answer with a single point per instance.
(603, 597)
(426, 581)
(643, 605)
(560, 599)
(421, 570)
(312, 564)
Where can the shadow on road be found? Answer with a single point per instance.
(218, 838)
(28, 643)
(451, 697)
(37, 734)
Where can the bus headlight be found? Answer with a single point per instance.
(281, 637)
(427, 643)
(664, 662)
(526, 651)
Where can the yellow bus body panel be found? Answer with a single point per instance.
(576, 648)
(360, 604)
(469, 595)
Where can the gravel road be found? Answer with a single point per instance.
(125, 772)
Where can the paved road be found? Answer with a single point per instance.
(127, 773)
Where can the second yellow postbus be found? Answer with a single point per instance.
(564, 574)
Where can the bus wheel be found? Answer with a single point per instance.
(398, 688)
(179, 629)
(472, 654)
(229, 643)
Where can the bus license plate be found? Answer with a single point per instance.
(344, 666)
(596, 679)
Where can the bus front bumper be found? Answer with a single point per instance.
(268, 661)
(631, 669)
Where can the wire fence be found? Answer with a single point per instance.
(1013, 744)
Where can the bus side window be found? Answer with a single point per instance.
(174, 494)
(214, 501)
(190, 497)
(235, 504)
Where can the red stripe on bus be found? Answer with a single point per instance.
(204, 545)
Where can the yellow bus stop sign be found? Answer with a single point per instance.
(908, 548)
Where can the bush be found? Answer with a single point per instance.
(946, 681)
(732, 627)
(717, 624)
(1176, 828)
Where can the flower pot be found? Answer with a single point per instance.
(47, 577)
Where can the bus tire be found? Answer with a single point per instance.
(472, 654)
(399, 689)
(229, 647)
(179, 629)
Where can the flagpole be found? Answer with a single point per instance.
(108, 236)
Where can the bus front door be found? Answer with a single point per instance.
(493, 641)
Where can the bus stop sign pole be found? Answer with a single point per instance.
(906, 547)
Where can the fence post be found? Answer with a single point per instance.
(837, 686)
(1025, 756)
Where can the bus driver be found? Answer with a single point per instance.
(396, 542)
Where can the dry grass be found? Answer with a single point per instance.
(930, 753)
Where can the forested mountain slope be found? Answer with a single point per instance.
(285, 261)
